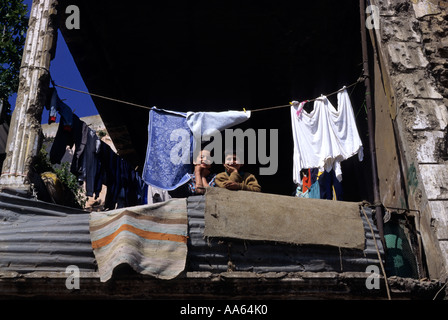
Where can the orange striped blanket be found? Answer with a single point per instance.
(152, 239)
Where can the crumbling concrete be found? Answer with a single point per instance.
(412, 41)
(226, 285)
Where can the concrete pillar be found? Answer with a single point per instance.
(24, 139)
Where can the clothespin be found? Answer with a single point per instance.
(300, 106)
(244, 109)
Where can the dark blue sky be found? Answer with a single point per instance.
(64, 72)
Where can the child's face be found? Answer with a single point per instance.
(233, 161)
(204, 159)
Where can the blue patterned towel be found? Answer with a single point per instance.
(172, 139)
(167, 163)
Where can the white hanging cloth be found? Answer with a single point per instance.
(325, 136)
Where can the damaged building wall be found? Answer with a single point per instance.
(435, 45)
(413, 91)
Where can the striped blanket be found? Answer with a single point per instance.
(152, 239)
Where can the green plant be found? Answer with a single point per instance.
(13, 25)
(69, 180)
(42, 162)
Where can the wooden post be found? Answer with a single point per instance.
(371, 124)
(25, 137)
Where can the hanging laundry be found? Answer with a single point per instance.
(90, 162)
(52, 115)
(306, 179)
(325, 136)
(160, 170)
(204, 124)
(310, 187)
(125, 187)
(152, 239)
(58, 106)
(344, 126)
(76, 136)
(330, 186)
(108, 175)
(313, 192)
(130, 193)
(95, 163)
(298, 106)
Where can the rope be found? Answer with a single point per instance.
(440, 290)
(378, 253)
(327, 95)
(146, 107)
(102, 97)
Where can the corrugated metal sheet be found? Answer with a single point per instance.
(38, 236)
(217, 255)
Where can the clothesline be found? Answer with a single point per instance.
(312, 100)
(102, 97)
(146, 107)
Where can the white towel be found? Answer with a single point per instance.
(204, 125)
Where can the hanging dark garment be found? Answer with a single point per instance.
(108, 174)
(96, 164)
(90, 161)
(75, 135)
(328, 181)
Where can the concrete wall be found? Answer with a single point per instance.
(412, 47)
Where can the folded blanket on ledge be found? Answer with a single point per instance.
(270, 217)
(152, 239)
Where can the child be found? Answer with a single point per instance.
(234, 178)
(202, 176)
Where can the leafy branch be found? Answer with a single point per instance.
(13, 26)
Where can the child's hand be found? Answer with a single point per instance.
(201, 169)
(229, 169)
(231, 185)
